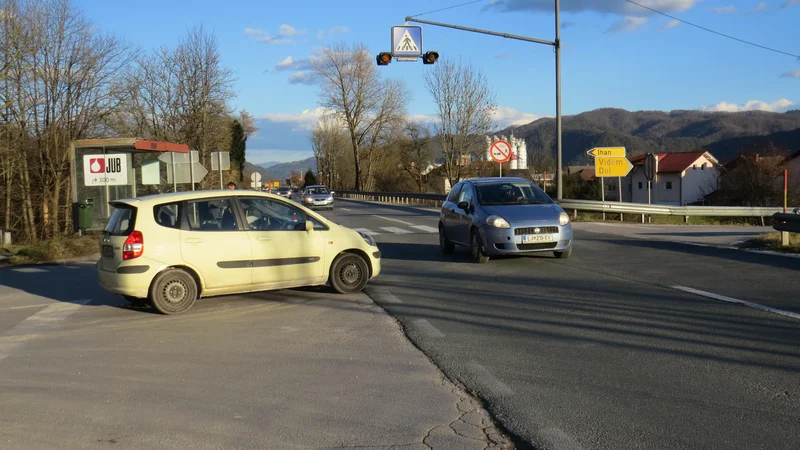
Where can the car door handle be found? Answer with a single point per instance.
(193, 241)
(264, 239)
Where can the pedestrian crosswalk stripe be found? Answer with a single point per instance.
(396, 230)
(366, 231)
(426, 228)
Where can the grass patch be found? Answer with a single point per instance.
(659, 219)
(772, 241)
(59, 248)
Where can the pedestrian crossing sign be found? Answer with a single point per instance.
(406, 41)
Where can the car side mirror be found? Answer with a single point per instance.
(309, 226)
(463, 205)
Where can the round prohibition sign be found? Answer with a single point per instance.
(500, 151)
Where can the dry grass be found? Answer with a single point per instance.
(56, 249)
(772, 241)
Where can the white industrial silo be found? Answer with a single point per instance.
(514, 162)
(522, 155)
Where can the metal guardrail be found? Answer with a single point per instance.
(411, 198)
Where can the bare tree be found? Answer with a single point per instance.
(415, 152)
(465, 109)
(329, 139)
(368, 105)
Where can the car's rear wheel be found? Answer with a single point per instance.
(445, 245)
(563, 254)
(349, 273)
(173, 292)
(476, 248)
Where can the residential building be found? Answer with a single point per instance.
(682, 178)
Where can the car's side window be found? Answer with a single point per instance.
(466, 195)
(272, 215)
(453, 196)
(167, 215)
(215, 214)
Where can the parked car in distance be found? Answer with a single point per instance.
(167, 250)
(284, 191)
(503, 216)
(317, 196)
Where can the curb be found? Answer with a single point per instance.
(77, 259)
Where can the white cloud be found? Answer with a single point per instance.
(284, 36)
(505, 117)
(790, 3)
(332, 32)
(308, 78)
(725, 9)
(671, 24)
(505, 55)
(791, 73)
(290, 63)
(760, 8)
(752, 105)
(305, 120)
(618, 7)
(627, 25)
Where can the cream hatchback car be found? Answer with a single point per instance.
(167, 250)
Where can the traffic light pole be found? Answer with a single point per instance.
(557, 46)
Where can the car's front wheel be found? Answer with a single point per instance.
(173, 292)
(563, 254)
(478, 254)
(349, 273)
(445, 245)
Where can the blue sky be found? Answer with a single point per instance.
(615, 54)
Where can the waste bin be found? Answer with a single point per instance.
(83, 214)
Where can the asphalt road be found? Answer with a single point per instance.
(605, 349)
(292, 369)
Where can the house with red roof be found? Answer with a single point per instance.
(681, 178)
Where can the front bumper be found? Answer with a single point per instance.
(327, 203)
(375, 261)
(509, 241)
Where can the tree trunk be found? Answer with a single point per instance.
(357, 162)
(56, 200)
(28, 219)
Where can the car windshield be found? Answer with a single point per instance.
(317, 191)
(511, 193)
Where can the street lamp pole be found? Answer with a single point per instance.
(557, 46)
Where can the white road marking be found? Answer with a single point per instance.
(388, 297)
(29, 328)
(38, 305)
(366, 231)
(426, 228)
(28, 270)
(395, 220)
(344, 209)
(396, 230)
(483, 375)
(428, 328)
(724, 298)
(696, 244)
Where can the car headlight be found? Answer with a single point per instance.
(308, 199)
(497, 222)
(368, 239)
(563, 219)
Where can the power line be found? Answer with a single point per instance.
(712, 31)
(446, 8)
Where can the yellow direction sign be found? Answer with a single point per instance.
(608, 152)
(612, 167)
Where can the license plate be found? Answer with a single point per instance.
(528, 238)
(108, 251)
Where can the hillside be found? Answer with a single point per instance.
(279, 171)
(724, 134)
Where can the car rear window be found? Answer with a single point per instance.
(122, 220)
(167, 215)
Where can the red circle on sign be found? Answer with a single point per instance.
(500, 151)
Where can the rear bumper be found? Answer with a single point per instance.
(499, 241)
(132, 280)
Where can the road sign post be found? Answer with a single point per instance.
(610, 162)
(501, 152)
(255, 179)
(650, 171)
(220, 161)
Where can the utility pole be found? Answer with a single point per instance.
(556, 44)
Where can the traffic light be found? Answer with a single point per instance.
(384, 58)
(430, 57)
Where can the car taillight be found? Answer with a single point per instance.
(133, 246)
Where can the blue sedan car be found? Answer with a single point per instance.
(503, 216)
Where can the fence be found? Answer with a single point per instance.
(574, 206)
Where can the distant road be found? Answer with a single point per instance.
(612, 348)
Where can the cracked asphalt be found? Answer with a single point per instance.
(304, 369)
